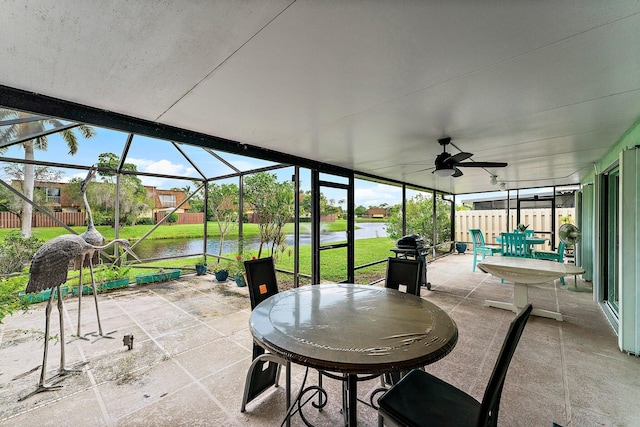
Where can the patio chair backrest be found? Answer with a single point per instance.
(514, 244)
(491, 399)
(261, 279)
(405, 272)
(477, 237)
(264, 371)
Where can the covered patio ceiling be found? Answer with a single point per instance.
(546, 86)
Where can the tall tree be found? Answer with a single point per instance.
(223, 202)
(272, 202)
(133, 196)
(420, 219)
(21, 130)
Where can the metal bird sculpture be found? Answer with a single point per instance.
(93, 237)
(49, 268)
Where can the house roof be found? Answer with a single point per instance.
(546, 86)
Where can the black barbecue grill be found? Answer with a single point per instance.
(413, 246)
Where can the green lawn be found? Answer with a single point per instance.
(333, 261)
(174, 231)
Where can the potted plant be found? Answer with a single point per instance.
(238, 271)
(221, 272)
(201, 267)
(114, 277)
(160, 276)
(461, 247)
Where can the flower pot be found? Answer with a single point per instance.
(221, 275)
(86, 290)
(114, 284)
(461, 247)
(201, 269)
(240, 280)
(142, 279)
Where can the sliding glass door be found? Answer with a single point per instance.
(610, 249)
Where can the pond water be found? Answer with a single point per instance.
(177, 247)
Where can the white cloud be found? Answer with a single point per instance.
(165, 167)
(161, 167)
(377, 195)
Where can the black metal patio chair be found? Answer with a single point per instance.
(421, 399)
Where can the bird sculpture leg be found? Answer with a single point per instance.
(95, 298)
(41, 384)
(80, 289)
(63, 370)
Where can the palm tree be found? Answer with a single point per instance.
(37, 127)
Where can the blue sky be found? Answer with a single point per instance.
(159, 156)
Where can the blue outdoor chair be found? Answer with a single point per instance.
(479, 247)
(552, 256)
(514, 244)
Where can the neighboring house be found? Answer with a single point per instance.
(167, 200)
(56, 196)
(377, 213)
(58, 199)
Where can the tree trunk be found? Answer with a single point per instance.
(27, 190)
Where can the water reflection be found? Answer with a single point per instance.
(177, 247)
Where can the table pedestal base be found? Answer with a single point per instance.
(520, 300)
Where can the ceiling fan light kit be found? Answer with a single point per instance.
(444, 172)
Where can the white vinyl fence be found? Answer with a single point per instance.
(494, 222)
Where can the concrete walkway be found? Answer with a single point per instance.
(192, 348)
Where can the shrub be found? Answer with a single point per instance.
(173, 218)
(16, 252)
(9, 297)
(107, 274)
(145, 221)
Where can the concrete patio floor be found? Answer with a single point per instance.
(192, 349)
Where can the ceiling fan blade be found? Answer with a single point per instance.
(482, 164)
(457, 173)
(419, 170)
(456, 158)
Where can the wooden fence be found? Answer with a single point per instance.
(183, 218)
(72, 219)
(494, 222)
(9, 220)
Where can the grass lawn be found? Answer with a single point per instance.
(175, 231)
(333, 262)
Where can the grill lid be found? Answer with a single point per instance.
(411, 241)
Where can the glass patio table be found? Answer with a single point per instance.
(353, 329)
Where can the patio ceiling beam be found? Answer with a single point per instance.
(226, 163)
(21, 120)
(249, 172)
(188, 159)
(125, 152)
(38, 135)
(99, 169)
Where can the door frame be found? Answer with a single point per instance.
(317, 247)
